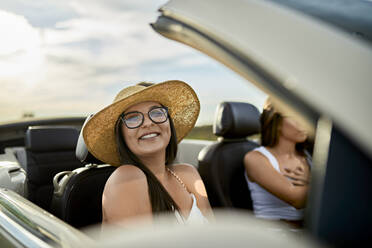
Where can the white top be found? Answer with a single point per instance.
(265, 204)
(195, 216)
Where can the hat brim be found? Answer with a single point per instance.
(181, 100)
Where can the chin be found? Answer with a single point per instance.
(151, 149)
(302, 139)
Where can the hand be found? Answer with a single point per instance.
(298, 177)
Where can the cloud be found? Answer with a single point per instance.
(76, 62)
(98, 7)
(40, 13)
(20, 50)
(124, 38)
(104, 36)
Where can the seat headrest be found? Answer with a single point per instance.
(236, 120)
(51, 138)
(82, 152)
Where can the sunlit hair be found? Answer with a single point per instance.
(271, 120)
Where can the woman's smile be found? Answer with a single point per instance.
(149, 136)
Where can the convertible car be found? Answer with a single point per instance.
(313, 58)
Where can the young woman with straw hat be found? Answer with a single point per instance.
(139, 133)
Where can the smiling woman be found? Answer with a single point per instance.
(139, 133)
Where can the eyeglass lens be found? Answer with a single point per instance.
(135, 119)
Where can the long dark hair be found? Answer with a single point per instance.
(160, 199)
(270, 121)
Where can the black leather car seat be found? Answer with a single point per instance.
(77, 197)
(49, 150)
(221, 164)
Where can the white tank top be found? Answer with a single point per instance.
(195, 215)
(265, 204)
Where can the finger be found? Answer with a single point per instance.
(297, 179)
(299, 184)
(304, 182)
(290, 176)
(288, 173)
(293, 177)
(299, 168)
(298, 173)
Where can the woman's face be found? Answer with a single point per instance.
(149, 138)
(292, 130)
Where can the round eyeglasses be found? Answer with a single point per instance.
(135, 119)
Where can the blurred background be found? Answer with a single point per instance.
(70, 58)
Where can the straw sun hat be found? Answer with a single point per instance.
(181, 100)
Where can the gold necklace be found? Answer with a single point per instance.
(177, 177)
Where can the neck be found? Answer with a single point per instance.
(285, 147)
(156, 164)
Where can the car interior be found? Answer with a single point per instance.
(62, 177)
(77, 197)
(49, 164)
(221, 163)
(49, 150)
(65, 179)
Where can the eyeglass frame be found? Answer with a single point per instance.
(143, 116)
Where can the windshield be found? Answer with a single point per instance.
(70, 58)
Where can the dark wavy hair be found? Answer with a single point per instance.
(160, 199)
(271, 120)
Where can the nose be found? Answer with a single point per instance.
(146, 121)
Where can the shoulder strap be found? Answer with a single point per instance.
(269, 156)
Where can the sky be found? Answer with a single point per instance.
(70, 58)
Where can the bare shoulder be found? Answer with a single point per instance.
(254, 158)
(127, 181)
(125, 195)
(256, 164)
(126, 174)
(186, 170)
